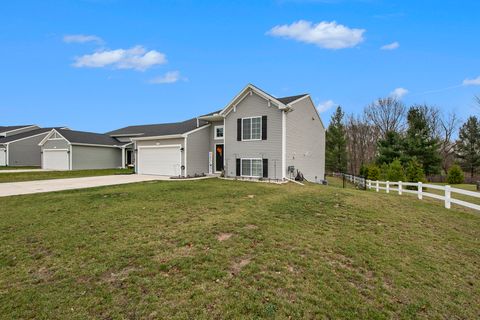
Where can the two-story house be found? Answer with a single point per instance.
(256, 135)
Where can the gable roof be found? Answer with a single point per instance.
(23, 135)
(287, 100)
(161, 129)
(76, 137)
(4, 129)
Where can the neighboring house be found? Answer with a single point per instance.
(256, 135)
(6, 131)
(19, 146)
(77, 150)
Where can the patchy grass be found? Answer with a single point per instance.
(44, 175)
(152, 250)
(18, 168)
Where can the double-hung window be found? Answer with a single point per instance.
(252, 128)
(218, 132)
(251, 167)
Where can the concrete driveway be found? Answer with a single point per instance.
(39, 186)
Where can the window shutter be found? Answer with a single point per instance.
(239, 129)
(264, 127)
(265, 168)
(238, 168)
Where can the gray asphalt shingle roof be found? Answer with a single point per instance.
(287, 100)
(24, 135)
(89, 138)
(161, 129)
(10, 128)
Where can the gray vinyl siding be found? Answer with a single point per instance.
(271, 149)
(56, 144)
(197, 151)
(89, 157)
(26, 152)
(305, 140)
(163, 142)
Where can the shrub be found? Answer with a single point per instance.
(414, 173)
(363, 171)
(455, 175)
(373, 172)
(395, 171)
(384, 172)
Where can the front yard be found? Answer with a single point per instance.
(45, 175)
(226, 249)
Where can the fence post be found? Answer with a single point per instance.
(369, 184)
(420, 190)
(377, 187)
(388, 187)
(400, 188)
(448, 196)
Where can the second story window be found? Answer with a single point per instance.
(218, 132)
(252, 128)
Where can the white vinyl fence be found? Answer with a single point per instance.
(401, 187)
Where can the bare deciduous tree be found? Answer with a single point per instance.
(362, 140)
(449, 126)
(387, 114)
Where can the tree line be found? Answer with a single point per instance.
(394, 142)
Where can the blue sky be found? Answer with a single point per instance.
(98, 65)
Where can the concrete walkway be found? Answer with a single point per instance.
(39, 186)
(23, 170)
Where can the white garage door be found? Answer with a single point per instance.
(55, 159)
(159, 160)
(3, 157)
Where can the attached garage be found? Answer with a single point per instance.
(56, 159)
(3, 157)
(80, 150)
(165, 160)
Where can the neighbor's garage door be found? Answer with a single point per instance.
(159, 160)
(55, 159)
(3, 157)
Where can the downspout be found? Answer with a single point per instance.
(284, 143)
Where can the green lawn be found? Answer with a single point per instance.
(17, 168)
(216, 249)
(43, 175)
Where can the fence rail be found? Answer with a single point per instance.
(419, 190)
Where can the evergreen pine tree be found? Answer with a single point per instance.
(389, 148)
(336, 144)
(468, 145)
(420, 141)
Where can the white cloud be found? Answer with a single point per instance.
(81, 38)
(137, 58)
(329, 35)
(325, 105)
(391, 46)
(472, 82)
(169, 77)
(399, 93)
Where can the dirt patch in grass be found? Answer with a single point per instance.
(238, 266)
(251, 227)
(224, 236)
(117, 276)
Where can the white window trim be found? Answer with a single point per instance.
(261, 128)
(215, 132)
(250, 176)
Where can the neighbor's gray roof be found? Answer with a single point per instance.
(287, 100)
(10, 128)
(89, 138)
(24, 135)
(161, 129)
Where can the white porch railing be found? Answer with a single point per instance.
(446, 196)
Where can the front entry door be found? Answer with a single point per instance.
(219, 153)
